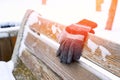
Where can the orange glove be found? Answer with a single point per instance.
(71, 42)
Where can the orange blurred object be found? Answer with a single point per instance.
(77, 29)
(44, 2)
(88, 23)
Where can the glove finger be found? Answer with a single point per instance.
(92, 31)
(60, 49)
(65, 50)
(78, 46)
(70, 54)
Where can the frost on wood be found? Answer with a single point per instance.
(93, 46)
(104, 52)
(33, 19)
(22, 46)
(54, 29)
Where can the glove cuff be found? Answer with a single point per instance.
(75, 36)
(88, 23)
(65, 34)
(74, 31)
(77, 29)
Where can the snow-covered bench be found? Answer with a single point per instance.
(36, 47)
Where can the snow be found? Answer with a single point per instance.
(104, 52)
(109, 35)
(54, 29)
(6, 69)
(92, 45)
(22, 47)
(33, 19)
(14, 10)
(7, 30)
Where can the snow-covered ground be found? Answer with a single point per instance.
(14, 10)
(6, 69)
(62, 11)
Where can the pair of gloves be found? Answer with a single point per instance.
(72, 40)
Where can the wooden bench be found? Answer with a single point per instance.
(37, 44)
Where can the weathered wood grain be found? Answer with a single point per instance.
(112, 62)
(21, 72)
(47, 54)
(37, 67)
(20, 36)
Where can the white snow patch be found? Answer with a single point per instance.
(104, 52)
(33, 18)
(4, 35)
(11, 29)
(6, 32)
(6, 69)
(99, 69)
(92, 45)
(22, 45)
(54, 29)
(14, 10)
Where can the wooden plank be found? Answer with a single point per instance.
(47, 54)
(20, 36)
(37, 67)
(21, 72)
(45, 28)
(112, 62)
